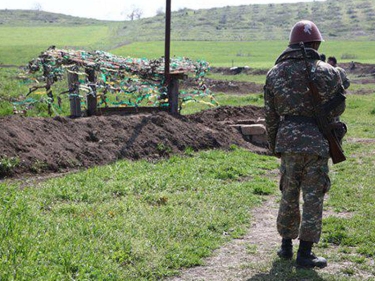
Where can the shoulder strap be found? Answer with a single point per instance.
(335, 149)
(327, 107)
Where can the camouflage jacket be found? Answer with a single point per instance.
(344, 78)
(286, 93)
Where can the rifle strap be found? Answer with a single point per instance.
(328, 106)
(316, 99)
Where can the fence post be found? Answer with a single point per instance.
(91, 99)
(46, 73)
(173, 92)
(75, 100)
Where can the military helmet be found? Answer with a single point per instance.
(305, 31)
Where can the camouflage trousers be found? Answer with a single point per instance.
(307, 174)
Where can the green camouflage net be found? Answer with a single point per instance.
(119, 81)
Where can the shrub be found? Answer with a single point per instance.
(7, 165)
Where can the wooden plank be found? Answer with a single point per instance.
(128, 110)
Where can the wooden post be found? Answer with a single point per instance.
(75, 100)
(91, 99)
(46, 73)
(173, 92)
(49, 95)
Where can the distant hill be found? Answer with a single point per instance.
(337, 19)
(41, 18)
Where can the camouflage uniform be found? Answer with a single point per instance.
(344, 78)
(303, 149)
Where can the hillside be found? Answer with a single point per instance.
(338, 19)
(41, 18)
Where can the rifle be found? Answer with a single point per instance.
(320, 115)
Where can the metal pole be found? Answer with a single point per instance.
(171, 80)
(167, 40)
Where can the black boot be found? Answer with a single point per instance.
(286, 251)
(305, 258)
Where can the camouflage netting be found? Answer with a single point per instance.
(117, 82)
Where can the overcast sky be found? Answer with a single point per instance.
(118, 9)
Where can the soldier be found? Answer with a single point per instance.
(344, 78)
(294, 136)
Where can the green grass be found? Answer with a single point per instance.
(138, 220)
(240, 100)
(222, 100)
(263, 55)
(259, 54)
(360, 125)
(13, 89)
(130, 220)
(51, 35)
(21, 44)
(352, 193)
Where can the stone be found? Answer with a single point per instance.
(254, 129)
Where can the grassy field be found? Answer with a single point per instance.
(259, 54)
(21, 44)
(130, 220)
(137, 220)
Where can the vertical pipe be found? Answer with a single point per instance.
(172, 83)
(167, 54)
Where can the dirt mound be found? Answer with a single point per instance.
(358, 68)
(237, 70)
(228, 114)
(228, 87)
(234, 87)
(44, 145)
(361, 73)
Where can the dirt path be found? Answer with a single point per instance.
(253, 257)
(244, 258)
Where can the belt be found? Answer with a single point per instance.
(300, 119)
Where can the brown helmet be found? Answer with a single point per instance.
(305, 31)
